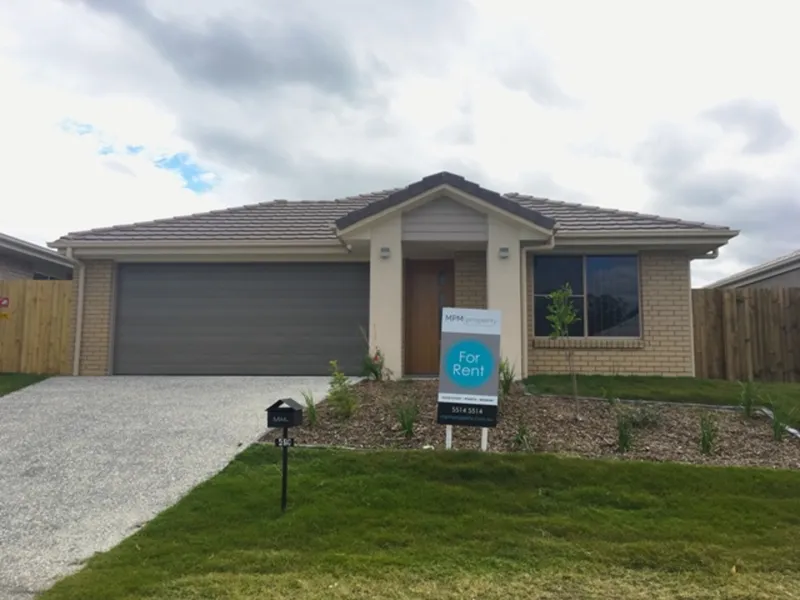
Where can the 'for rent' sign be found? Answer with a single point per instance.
(468, 373)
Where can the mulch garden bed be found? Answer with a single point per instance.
(663, 432)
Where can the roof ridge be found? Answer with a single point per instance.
(616, 211)
(365, 195)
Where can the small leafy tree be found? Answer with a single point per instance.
(709, 433)
(341, 396)
(562, 314)
(625, 426)
(748, 398)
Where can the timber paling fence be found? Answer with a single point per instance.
(35, 330)
(747, 334)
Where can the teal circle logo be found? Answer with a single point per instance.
(469, 364)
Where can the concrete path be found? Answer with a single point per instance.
(85, 461)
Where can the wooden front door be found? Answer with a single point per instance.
(429, 287)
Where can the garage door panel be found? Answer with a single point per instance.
(265, 318)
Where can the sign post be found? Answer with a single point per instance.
(284, 413)
(468, 371)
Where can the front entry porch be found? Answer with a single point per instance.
(426, 279)
(481, 236)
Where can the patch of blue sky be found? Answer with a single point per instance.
(73, 126)
(195, 177)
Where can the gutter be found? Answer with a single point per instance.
(653, 233)
(211, 244)
(346, 246)
(76, 349)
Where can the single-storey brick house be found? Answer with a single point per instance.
(282, 288)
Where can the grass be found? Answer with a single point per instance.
(11, 382)
(668, 389)
(448, 525)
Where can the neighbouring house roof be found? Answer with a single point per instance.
(776, 266)
(10, 245)
(318, 220)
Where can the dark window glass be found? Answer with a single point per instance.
(543, 327)
(612, 290)
(550, 273)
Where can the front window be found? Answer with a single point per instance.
(605, 292)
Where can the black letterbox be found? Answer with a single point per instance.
(285, 413)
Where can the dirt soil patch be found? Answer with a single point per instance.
(548, 424)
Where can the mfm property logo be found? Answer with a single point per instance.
(473, 321)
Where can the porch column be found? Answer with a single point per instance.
(386, 293)
(504, 288)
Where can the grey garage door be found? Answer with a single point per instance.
(240, 319)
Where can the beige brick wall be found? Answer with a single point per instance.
(470, 279)
(97, 313)
(666, 344)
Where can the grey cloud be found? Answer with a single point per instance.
(460, 133)
(597, 148)
(316, 178)
(529, 71)
(669, 149)
(765, 209)
(542, 185)
(542, 88)
(263, 53)
(461, 130)
(761, 122)
(260, 93)
(247, 153)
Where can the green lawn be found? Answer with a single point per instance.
(671, 389)
(11, 382)
(453, 525)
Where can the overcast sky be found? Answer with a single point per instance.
(126, 110)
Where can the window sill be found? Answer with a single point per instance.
(589, 343)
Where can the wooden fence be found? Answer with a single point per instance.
(747, 334)
(35, 326)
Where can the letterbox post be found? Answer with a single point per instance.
(283, 414)
(285, 476)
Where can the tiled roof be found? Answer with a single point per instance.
(582, 217)
(761, 271)
(280, 220)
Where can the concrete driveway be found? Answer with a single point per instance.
(85, 461)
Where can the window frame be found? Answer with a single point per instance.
(39, 276)
(583, 256)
